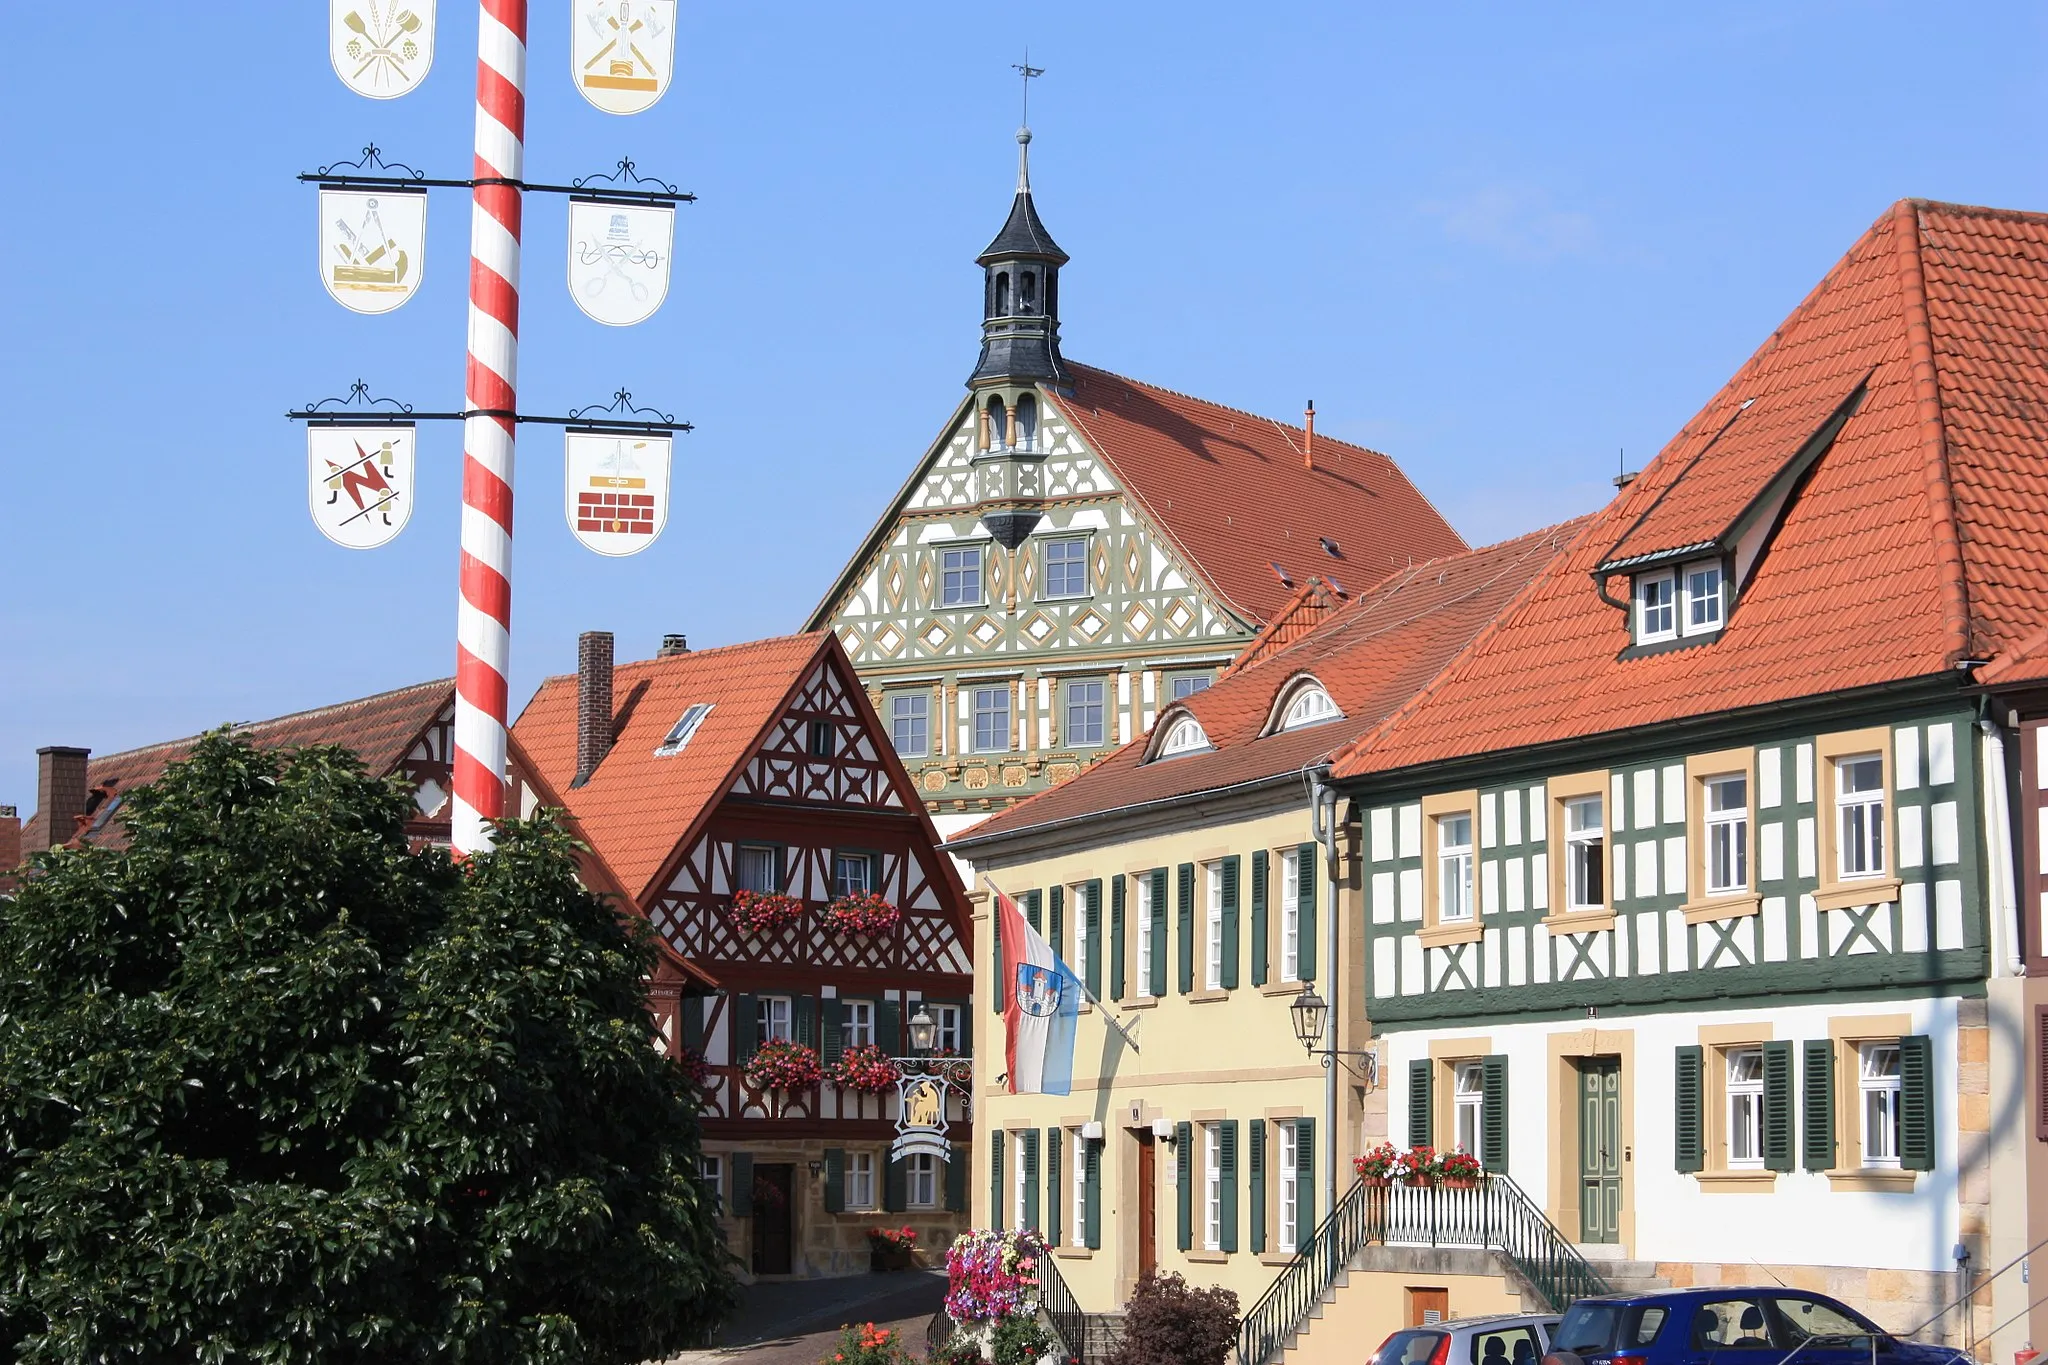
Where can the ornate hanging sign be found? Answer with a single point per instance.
(619, 257)
(372, 246)
(622, 52)
(616, 489)
(381, 48)
(922, 1089)
(359, 482)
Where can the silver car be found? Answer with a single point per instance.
(1498, 1339)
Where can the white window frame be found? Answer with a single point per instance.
(947, 1019)
(1184, 685)
(1212, 1187)
(1468, 1091)
(911, 711)
(1099, 734)
(860, 1180)
(980, 572)
(1143, 901)
(1585, 852)
(921, 1182)
(1019, 1184)
(1046, 566)
(1454, 864)
(1877, 1105)
(1662, 584)
(1705, 606)
(858, 1026)
(1726, 830)
(1186, 736)
(1290, 915)
(1212, 926)
(711, 1175)
(1287, 1223)
(740, 854)
(1866, 809)
(1077, 898)
(679, 734)
(842, 861)
(1744, 1107)
(774, 1018)
(1001, 736)
(1310, 706)
(1077, 1223)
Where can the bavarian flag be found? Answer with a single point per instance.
(1041, 1007)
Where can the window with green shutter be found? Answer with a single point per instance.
(995, 1179)
(956, 1178)
(1156, 968)
(1688, 1127)
(1916, 1103)
(1421, 1098)
(1493, 1113)
(1255, 1183)
(745, 1024)
(1229, 878)
(1226, 1164)
(1307, 877)
(1116, 938)
(1817, 1086)
(1033, 905)
(1053, 1202)
(1027, 1158)
(1058, 937)
(691, 1010)
(1259, 946)
(995, 958)
(742, 1184)
(1184, 924)
(1183, 1185)
(895, 1186)
(805, 1028)
(1778, 1126)
(1091, 922)
(835, 1180)
(1305, 1183)
(833, 1043)
(1091, 1195)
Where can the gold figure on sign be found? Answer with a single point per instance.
(621, 64)
(365, 266)
(383, 43)
(921, 1105)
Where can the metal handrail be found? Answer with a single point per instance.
(937, 1333)
(1059, 1304)
(1496, 1214)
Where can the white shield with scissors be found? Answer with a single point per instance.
(381, 48)
(622, 52)
(617, 490)
(359, 482)
(619, 259)
(372, 246)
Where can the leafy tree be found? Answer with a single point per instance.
(275, 1088)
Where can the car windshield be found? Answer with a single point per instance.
(1408, 1348)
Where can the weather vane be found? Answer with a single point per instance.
(1027, 71)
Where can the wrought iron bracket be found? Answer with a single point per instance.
(361, 409)
(1368, 1071)
(371, 171)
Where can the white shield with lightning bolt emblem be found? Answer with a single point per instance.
(622, 52)
(381, 48)
(359, 482)
(617, 490)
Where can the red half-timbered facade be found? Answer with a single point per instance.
(763, 770)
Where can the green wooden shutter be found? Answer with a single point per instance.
(1226, 1164)
(995, 1178)
(1304, 1184)
(1916, 1102)
(966, 1026)
(1305, 876)
(1420, 1098)
(1184, 921)
(1053, 1202)
(1058, 937)
(835, 1180)
(1493, 1113)
(1229, 966)
(1034, 910)
(1091, 1196)
(1116, 938)
(1156, 968)
(1259, 969)
(691, 1010)
(1183, 1185)
(1091, 919)
(1255, 1185)
(895, 1186)
(889, 1026)
(995, 957)
(834, 1028)
(804, 1016)
(1778, 1125)
(742, 1184)
(1027, 1161)
(1818, 1084)
(1689, 1135)
(956, 1178)
(745, 1027)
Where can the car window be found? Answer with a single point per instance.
(1412, 1347)
(1506, 1346)
(1731, 1324)
(1648, 1322)
(1587, 1327)
(1806, 1318)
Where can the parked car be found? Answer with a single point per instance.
(1729, 1325)
(1500, 1339)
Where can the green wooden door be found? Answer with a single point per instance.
(1600, 1149)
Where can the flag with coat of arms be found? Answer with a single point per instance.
(1041, 1007)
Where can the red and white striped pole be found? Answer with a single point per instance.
(483, 629)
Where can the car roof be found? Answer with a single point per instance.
(1484, 1319)
(1699, 1291)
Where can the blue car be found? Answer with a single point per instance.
(1729, 1325)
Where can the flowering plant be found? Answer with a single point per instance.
(992, 1274)
(866, 1068)
(1377, 1164)
(1418, 1165)
(863, 912)
(897, 1239)
(1461, 1166)
(695, 1069)
(783, 1065)
(868, 1344)
(761, 912)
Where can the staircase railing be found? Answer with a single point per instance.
(1496, 1214)
(1059, 1304)
(937, 1333)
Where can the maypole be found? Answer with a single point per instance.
(483, 629)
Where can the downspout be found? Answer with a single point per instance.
(1323, 814)
(2004, 895)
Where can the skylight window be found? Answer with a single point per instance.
(1311, 706)
(680, 734)
(1185, 737)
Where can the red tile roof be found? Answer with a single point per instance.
(1918, 539)
(1197, 467)
(1371, 654)
(1310, 606)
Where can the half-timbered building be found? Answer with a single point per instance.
(1076, 551)
(740, 797)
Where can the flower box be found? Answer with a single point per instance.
(866, 1069)
(693, 1066)
(1376, 1166)
(891, 1249)
(783, 1065)
(754, 913)
(863, 913)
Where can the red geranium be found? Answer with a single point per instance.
(761, 912)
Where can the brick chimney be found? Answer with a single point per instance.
(593, 702)
(60, 797)
(10, 842)
(672, 645)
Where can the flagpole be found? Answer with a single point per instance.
(1086, 994)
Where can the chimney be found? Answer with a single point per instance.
(10, 842)
(1308, 436)
(672, 645)
(593, 702)
(60, 796)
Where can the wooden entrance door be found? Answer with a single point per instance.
(1600, 1149)
(772, 1214)
(1148, 1205)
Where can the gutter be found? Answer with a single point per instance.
(974, 841)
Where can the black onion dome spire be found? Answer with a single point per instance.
(1023, 234)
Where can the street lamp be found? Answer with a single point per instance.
(1311, 1014)
(924, 1030)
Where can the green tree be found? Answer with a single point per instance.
(273, 1087)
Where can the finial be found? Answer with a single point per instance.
(1023, 161)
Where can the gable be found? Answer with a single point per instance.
(821, 714)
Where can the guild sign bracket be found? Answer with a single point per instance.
(621, 417)
(371, 171)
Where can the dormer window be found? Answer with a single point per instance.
(1680, 603)
(1703, 597)
(680, 734)
(1656, 614)
(1311, 706)
(1184, 736)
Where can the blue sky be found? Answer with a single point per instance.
(1501, 243)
